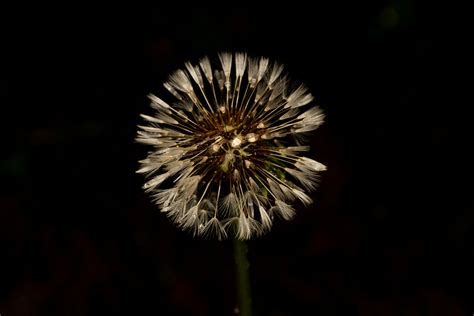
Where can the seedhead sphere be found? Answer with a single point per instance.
(227, 149)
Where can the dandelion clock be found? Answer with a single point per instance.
(227, 152)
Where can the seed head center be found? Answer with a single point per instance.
(236, 142)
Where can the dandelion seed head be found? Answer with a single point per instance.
(226, 155)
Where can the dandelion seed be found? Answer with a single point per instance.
(227, 151)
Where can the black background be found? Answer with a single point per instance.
(391, 231)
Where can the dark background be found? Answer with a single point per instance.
(392, 228)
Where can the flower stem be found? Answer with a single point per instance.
(243, 279)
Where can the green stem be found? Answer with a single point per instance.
(243, 279)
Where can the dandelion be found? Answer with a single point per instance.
(227, 153)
